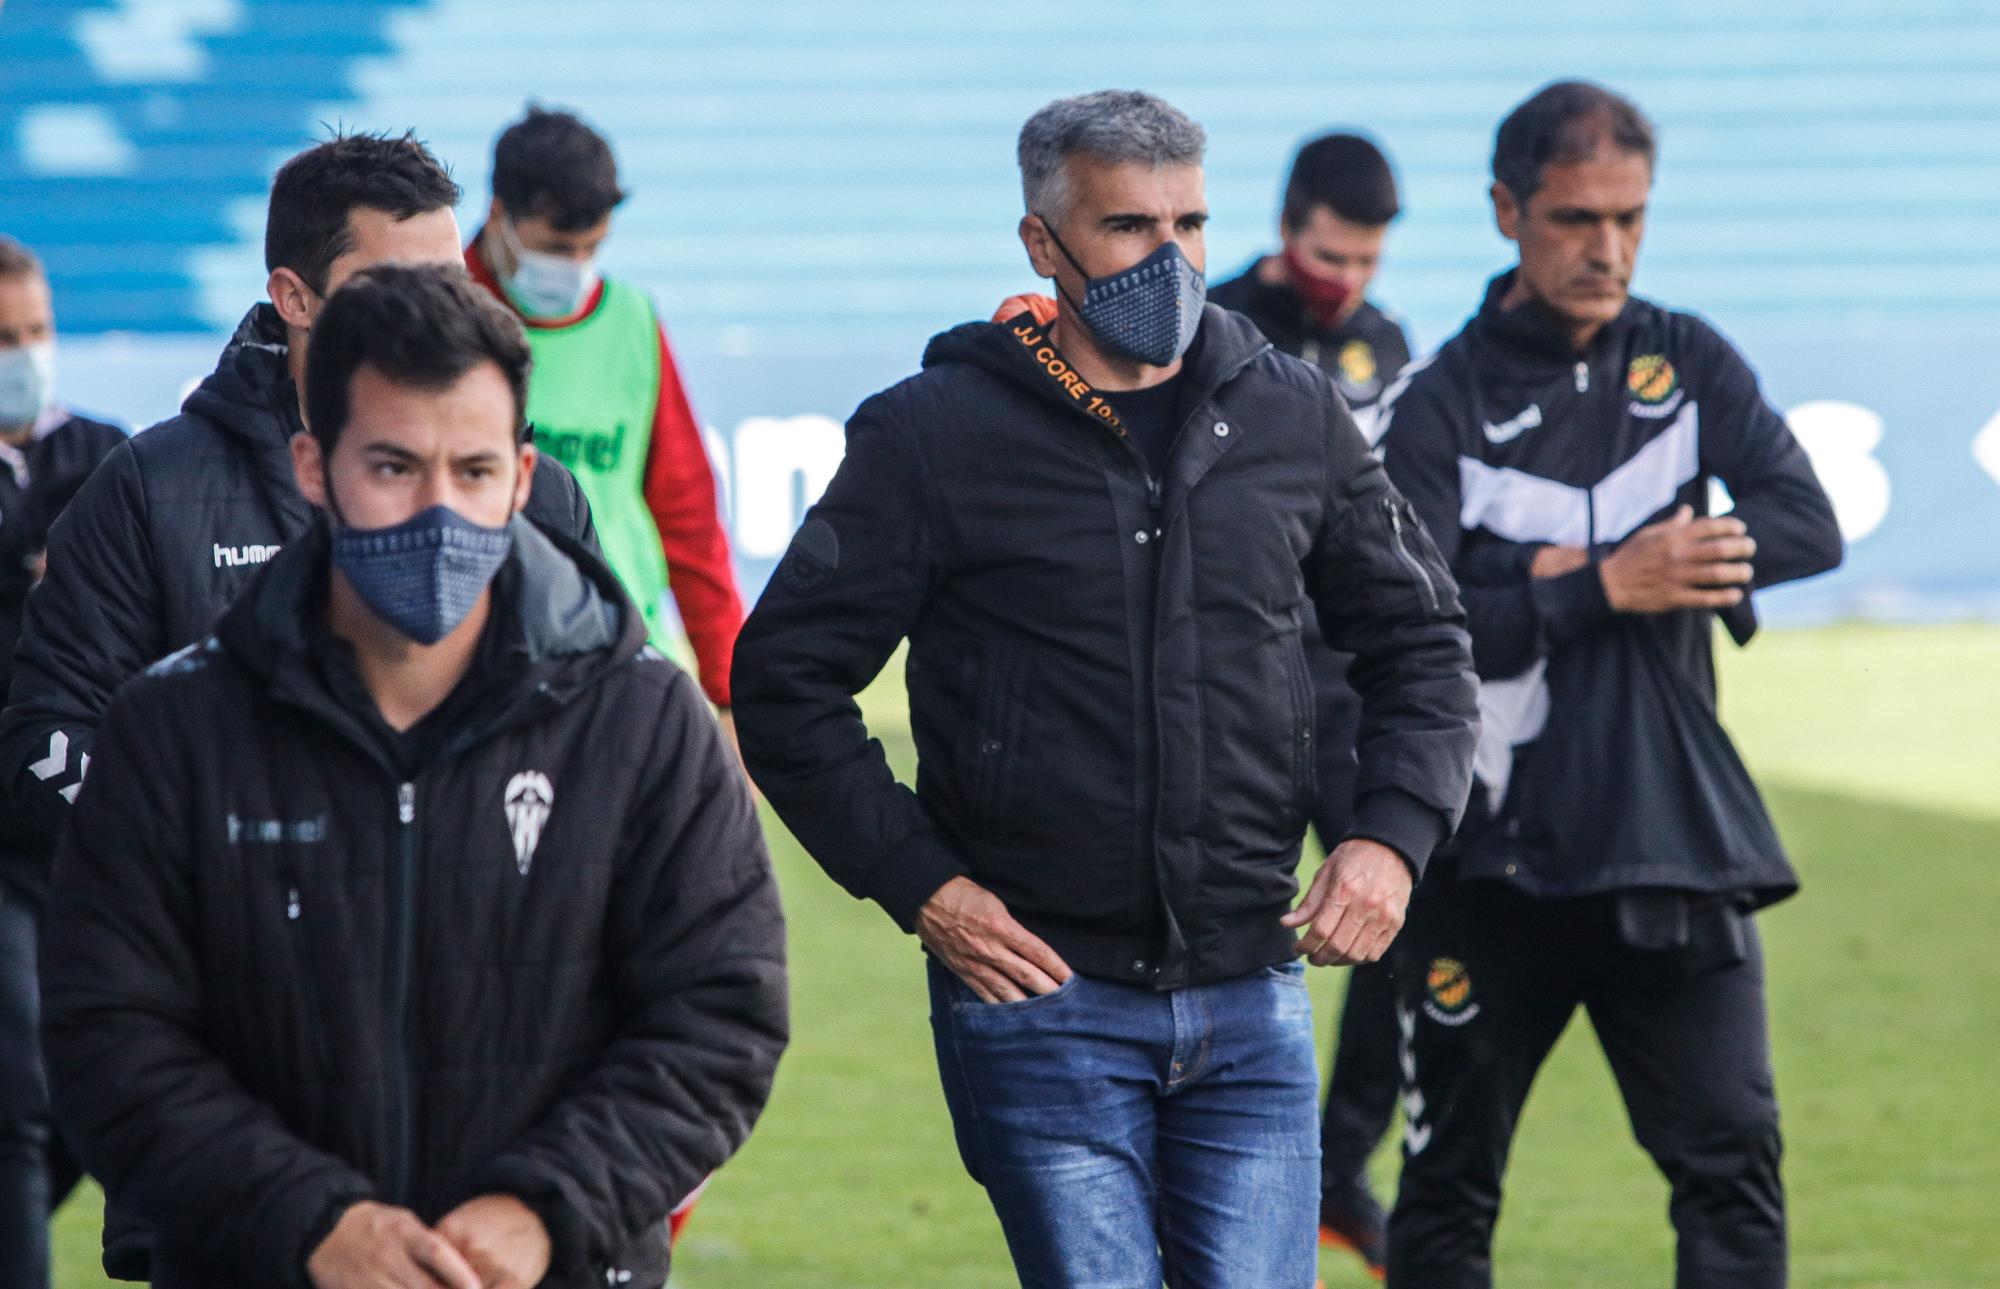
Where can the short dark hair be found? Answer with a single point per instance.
(1348, 175)
(1565, 121)
(421, 325)
(16, 260)
(553, 166)
(305, 229)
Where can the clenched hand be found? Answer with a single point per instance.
(379, 1246)
(502, 1239)
(1355, 905)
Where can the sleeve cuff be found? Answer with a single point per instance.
(1570, 603)
(909, 875)
(546, 1197)
(1403, 824)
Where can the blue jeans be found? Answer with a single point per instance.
(1125, 1135)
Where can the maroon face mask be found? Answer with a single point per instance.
(1323, 297)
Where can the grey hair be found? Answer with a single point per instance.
(1118, 126)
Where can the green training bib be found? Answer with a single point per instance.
(592, 398)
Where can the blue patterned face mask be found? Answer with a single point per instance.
(422, 576)
(1148, 312)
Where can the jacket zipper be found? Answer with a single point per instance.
(1416, 565)
(1582, 377)
(402, 948)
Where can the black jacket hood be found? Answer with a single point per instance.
(250, 392)
(567, 622)
(1224, 345)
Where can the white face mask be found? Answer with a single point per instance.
(27, 383)
(544, 285)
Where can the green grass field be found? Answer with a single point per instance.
(1878, 749)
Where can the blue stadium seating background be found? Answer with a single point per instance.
(818, 187)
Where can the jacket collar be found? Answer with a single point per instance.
(1020, 352)
(565, 624)
(1533, 329)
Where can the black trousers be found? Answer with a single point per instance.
(36, 1172)
(1490, 978)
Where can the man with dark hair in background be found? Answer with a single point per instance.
(45, 451)
(416, 927)
(181, 516)
(1561, 450)
(1310, 301)
(607, 398)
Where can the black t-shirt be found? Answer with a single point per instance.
(1152, 417)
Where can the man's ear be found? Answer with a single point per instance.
(524, 482)
(297, 303)
(497, 246)
(1042, 253)
(309, 466)
(1506, 212)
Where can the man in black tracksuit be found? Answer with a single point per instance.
(1100, 537)
(181, 517)
(1310, 301)
(1561, 448)
(417, 924)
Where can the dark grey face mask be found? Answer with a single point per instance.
(422, 576)
(1148, 312)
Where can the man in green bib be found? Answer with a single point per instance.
(605, 398)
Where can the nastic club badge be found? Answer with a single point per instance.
(1448, 990)
(1651, 378)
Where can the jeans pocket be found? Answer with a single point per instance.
(967, 1003)
(1288, 973)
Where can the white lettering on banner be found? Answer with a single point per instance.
(781, 466)
(719, 461)
(1841, 439)
(1986, 448)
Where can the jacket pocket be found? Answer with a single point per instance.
(1305, 763)
(312, 1020)
(1417, 555)
(998, 726)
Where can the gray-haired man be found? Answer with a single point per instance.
(1097, 535)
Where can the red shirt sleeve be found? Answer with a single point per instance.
(680, 491)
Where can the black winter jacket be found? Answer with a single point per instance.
(32, 493)
(1362, 357)
(1602, 765)
(1113, 721)
(153, 548)
(280, 978)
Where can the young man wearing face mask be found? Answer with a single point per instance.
(1099, 535)
(180, 517)
(416, 927)
(1309, 300)
(607, 398)
(44, 450)
(1562, 448)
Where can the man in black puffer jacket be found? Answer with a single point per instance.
(416, 926)
(1100, 536)
(179, 519)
